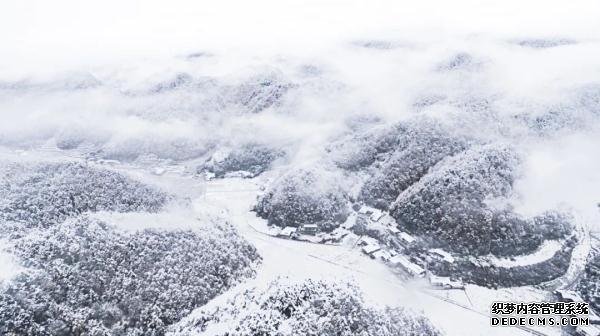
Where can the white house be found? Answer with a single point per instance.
(445, 282)
(288, 231)
(408, 266)
(382, 254)
(388, 220)
(368, 241)
(407, 239)
(369, 249)
(365, 210)
(393, 229)
(310, 229)
(441, 255)
(376, 215)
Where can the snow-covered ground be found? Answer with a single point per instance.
(456, 312)
(455, 315)
(544, 252)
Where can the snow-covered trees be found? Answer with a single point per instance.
(251, 159)
(358, 151)
(261, 92)
(305, 195)
(450, 204)
(323, 308)
(394, 156)
(589, 285)
(48, 193)
(87, 278)
(417, 149)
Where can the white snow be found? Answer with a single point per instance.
(543, 253)
(301, 260)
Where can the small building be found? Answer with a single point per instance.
(441, 255)
(274, 231)
(288, 231)
(350, 222)
(445, 282)
(309, 229)
(383, 255)
(368, 241)
(393, 229)
(365, 210)
(388, 220)
(409, 267)
(376, 215)
(370, 249)
(406, 239)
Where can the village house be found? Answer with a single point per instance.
(445, 282)
(370, 249)
(288, 232)
(408, 266)
(382, 254)
(441, 255)
(406, 239)
(309, 229)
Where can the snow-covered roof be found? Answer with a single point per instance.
(407, 238)
(384, 255)
(274, 231)
(288, 230)
(393, 229)
(365, 210)
(368, 249)
(310, 226)
(376, 215)
(443, 254)
(444, 281)
(438, 280)
(388, 220)
(408, 265)
(369, 240)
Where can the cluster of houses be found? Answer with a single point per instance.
(415, 266)
(410, 263)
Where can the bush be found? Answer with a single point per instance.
(92, 279)
(307, 308)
